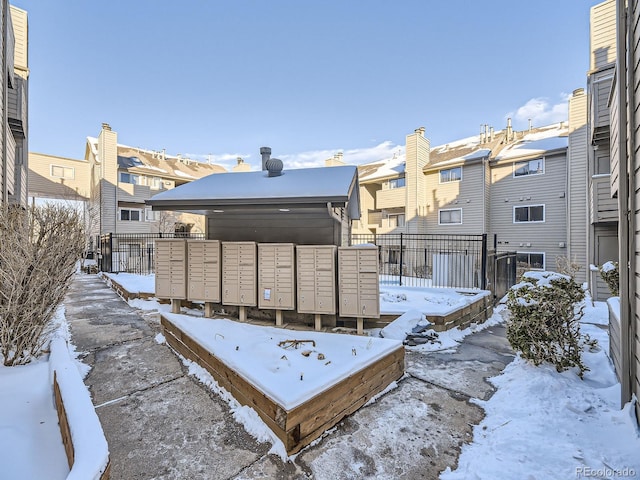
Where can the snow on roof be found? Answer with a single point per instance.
(474, 155)
(383, 168)
(313, 184)
(182, 174)
(543, 140)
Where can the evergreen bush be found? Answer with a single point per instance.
(544, 324)
(611, 275)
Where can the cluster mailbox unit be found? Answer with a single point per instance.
(276, 277)
(316, 280)
(204, 272)
(171, 271)
(239, 275)
(359, 292)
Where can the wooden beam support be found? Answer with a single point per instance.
(242, 313)
(175, 305)
(318, 322)
(279, 321)
(208, 309)
(360, 325)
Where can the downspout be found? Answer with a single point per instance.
(624, 176)
(333, 214)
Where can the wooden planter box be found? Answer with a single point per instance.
(301, 425)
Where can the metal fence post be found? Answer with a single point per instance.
(401, 259)
(483, 282)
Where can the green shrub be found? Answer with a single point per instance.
(544, 324)
(611, 275)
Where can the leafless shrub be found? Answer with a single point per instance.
(39, 248)
(566, 266)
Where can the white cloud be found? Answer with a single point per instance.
(308, 159)
(354, 156)
(541, 112)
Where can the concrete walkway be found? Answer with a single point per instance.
(162, 423)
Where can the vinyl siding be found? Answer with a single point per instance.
(108, 207)
(603, 208)
(548, 189)
(600, 90)
(614, 138)
(21, 35)
(603, 35)
(465, 194)
(634, 293)
(417, 156)
(43, 184)
(391, 198)
(578, 158)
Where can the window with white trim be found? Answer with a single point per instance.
(155, 183)
(528, 214)
(451, 175)
(150, 215)
(529, 167)
(397, 182)
(130, 214)
(60, 171)
(126, 177)
(396, 220)
(530, 260)
(451, 216)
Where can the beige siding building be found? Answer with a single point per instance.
(510, 184)
(625, 165)
(14, 90)
(113, 182)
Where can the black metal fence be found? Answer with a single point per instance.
(132, 252)
(430, 260)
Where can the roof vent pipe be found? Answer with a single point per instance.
(274, 167)
(491, 134)
(509, 130)
(265, 153)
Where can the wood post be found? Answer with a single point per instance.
(360, 325)
(242, 313)
(208, 309)
(175, 305)
(318, 321)
(279, 318)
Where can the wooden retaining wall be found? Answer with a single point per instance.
(65, 431)
(301, 425)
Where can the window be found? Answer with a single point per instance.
(451, 175)
(396, 220)
(150, 215)
(450, 217)
(530, 260)
(529, 213)
(129, 178)
(155, 183)
(397, 182)
(530, 167)
(130, 215)
(62, 172)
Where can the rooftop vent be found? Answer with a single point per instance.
(274, 167)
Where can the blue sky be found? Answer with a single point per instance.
(307, 78)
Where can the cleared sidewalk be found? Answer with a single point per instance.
(162, 423)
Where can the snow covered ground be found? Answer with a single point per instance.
(31, 444)
(543, 424)
(539, 424)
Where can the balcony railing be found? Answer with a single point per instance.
(603, 207)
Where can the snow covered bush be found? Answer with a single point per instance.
(544, 324)
(39, 248)
(610, 274)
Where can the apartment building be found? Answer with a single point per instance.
(624, 103)
(112, 183)
(14, 92)
(511, 184)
